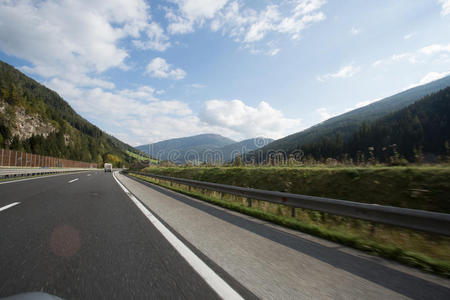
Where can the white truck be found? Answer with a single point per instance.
(108, 167)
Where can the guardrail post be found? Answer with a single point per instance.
(293, 212)
(3, 150)
(249, 200)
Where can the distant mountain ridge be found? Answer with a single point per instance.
(201, 148)
(179, 150)
(343, 126)
(230, 151)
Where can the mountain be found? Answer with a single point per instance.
(343, 126)
(36, 119)
(192, 148)
(231, 150)
(419, 130)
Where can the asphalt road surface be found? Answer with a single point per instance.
(85, 239)
(81, 236)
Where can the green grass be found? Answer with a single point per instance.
(426, 188)
(141, 157)
(424, 251)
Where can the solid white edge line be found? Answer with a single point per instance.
(9, 205)
(73, 180)
(222, 288)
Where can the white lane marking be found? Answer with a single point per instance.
(38, 177)
(212, 279)
(73, 180)
(88, 174)
(9, 205)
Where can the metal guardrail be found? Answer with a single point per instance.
(432, 222)
(35, 172)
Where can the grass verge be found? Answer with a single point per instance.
(416, 187)
(141, 157)
(393, 252)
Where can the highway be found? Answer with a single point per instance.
(96, 235)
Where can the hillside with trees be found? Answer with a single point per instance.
(36, 119)
(345, 125)
(417, 132)
(240, 148)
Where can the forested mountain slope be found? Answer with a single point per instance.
(418, 131)
(421, 129)
(346, 124)
(36, 119)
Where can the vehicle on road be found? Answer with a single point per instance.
(108, 167)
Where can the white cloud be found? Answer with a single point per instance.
(436, 52)
(138, 117)
(429, 77)
(62, 42)
(265, 22)
(410, 57)
(323, 113)
(445, 7)
(409, 35)
(274, 52)
(434, 49)
(190, 13)
(355, 31)
(344, 72)
(197, 86)
(306, 12)
(159, 68)
(271, 48)
(196, 9)
(144, 92)
(246, 121)
(244, 24)
(156, 38)
(377, 63)
(178, 24)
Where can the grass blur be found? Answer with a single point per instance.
(417, 187)
(411, 187)
(140, 157)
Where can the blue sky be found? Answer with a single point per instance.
(146, 71)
